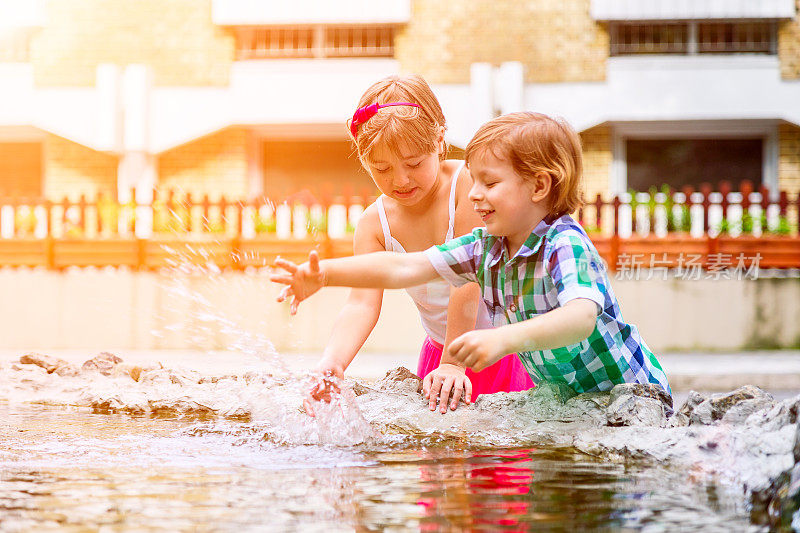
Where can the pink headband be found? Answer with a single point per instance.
(363, 114)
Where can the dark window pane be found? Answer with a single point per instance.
(679, 162)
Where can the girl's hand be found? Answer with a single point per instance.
(322, 391)
(301, 280)
(438, 384)
(479, 348)
(324, 387)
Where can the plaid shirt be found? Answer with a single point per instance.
(556, 264)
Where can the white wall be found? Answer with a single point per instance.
(118, 309)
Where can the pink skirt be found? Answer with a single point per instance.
(506, 375)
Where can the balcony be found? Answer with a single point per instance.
(276, 13)
(652, 10)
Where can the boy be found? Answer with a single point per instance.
(541, 278)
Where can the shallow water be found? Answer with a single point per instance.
(70, 469)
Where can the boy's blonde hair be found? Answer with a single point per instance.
(534, 143)
(417, 128)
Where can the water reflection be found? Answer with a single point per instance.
(70, 470)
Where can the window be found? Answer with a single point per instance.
(693, 38)
(628, 39)
(727, 38)
(315, 41)
(679, 162)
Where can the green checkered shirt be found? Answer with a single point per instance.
(556, 264)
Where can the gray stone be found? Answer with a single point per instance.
(103, 363)
(643, 390)
(797, 443)
(631, 410)
(740, 412)
(693, 400)
(49, 363)
(400, 379)
(708, 410)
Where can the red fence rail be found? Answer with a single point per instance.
(101, 231)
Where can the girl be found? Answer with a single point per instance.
(398, 131)
(542, 278)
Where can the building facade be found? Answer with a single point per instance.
(243, 98)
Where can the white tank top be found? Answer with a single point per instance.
(432, 298)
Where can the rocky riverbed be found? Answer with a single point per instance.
(743, 438)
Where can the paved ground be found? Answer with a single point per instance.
(774, 370)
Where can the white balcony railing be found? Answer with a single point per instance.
(282, 12)
(691, 9)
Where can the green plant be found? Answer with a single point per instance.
(264, 224)
(784, 226)
(317, 223)
(25, 221)
(216, 227)
(175, 220)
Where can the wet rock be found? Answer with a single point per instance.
(707, 410)
(103, 363)
(631, 410)
(401, 380)
(693, 400)
(124, 370)
(51, 364)
(796, 449)
(642, 390)
(778, 506)
(590, 406)
(781, 414)
(545, 402)
(67, 371)
(359, 389)
(184, 377)
(638, 404)
(739, 413)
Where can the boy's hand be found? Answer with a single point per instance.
(479, 348)
(301, 280)
(438, 384)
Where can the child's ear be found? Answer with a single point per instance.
(541, 186)
(440, 140)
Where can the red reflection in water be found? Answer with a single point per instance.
(473, 494)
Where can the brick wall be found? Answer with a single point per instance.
(215, 165)
(556, 41)
(72, 169)
(175, 37)
(789, 158)
(597, 158)
(789, 46)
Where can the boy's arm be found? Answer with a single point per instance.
(565, 325)
(380, 270)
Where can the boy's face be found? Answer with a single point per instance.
(503, 198)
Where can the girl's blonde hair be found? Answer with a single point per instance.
(416, 128)
(533, 143)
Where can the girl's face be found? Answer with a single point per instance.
(503, 198)
(407, 177)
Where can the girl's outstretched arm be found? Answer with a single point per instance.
(379, 270)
